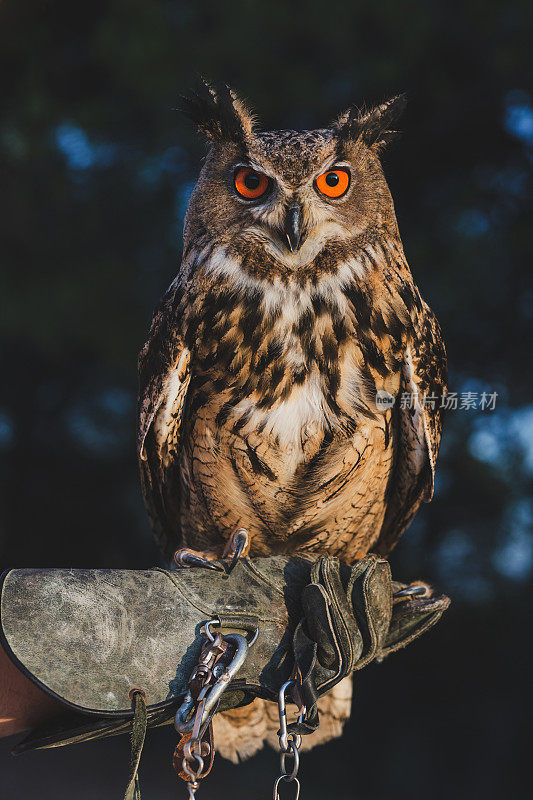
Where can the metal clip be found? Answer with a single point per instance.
(212, 693)
(282, 708)
(209, 679)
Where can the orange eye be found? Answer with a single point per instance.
(250, 184)
(334, 182)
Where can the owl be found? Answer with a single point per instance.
(292, 382)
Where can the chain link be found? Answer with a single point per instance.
(284, 778)
(293, 753)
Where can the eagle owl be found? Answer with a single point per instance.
(293, 312)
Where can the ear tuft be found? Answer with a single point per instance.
(374, 126)
(218, 113)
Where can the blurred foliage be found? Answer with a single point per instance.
(96, 170)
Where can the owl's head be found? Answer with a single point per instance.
(290, 192)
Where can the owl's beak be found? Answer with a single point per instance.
(293, 226)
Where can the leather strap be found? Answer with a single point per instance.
(138, 733)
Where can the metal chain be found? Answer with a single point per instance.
(209, 679)
(195, 750)
(289, 744)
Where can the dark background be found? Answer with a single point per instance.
(95, 173)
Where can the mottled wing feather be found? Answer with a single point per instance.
(164, 377)
(418, 429)
(430, 371)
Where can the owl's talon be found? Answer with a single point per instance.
(184, 558)
(239, 546)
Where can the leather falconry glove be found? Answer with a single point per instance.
(90, 638)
